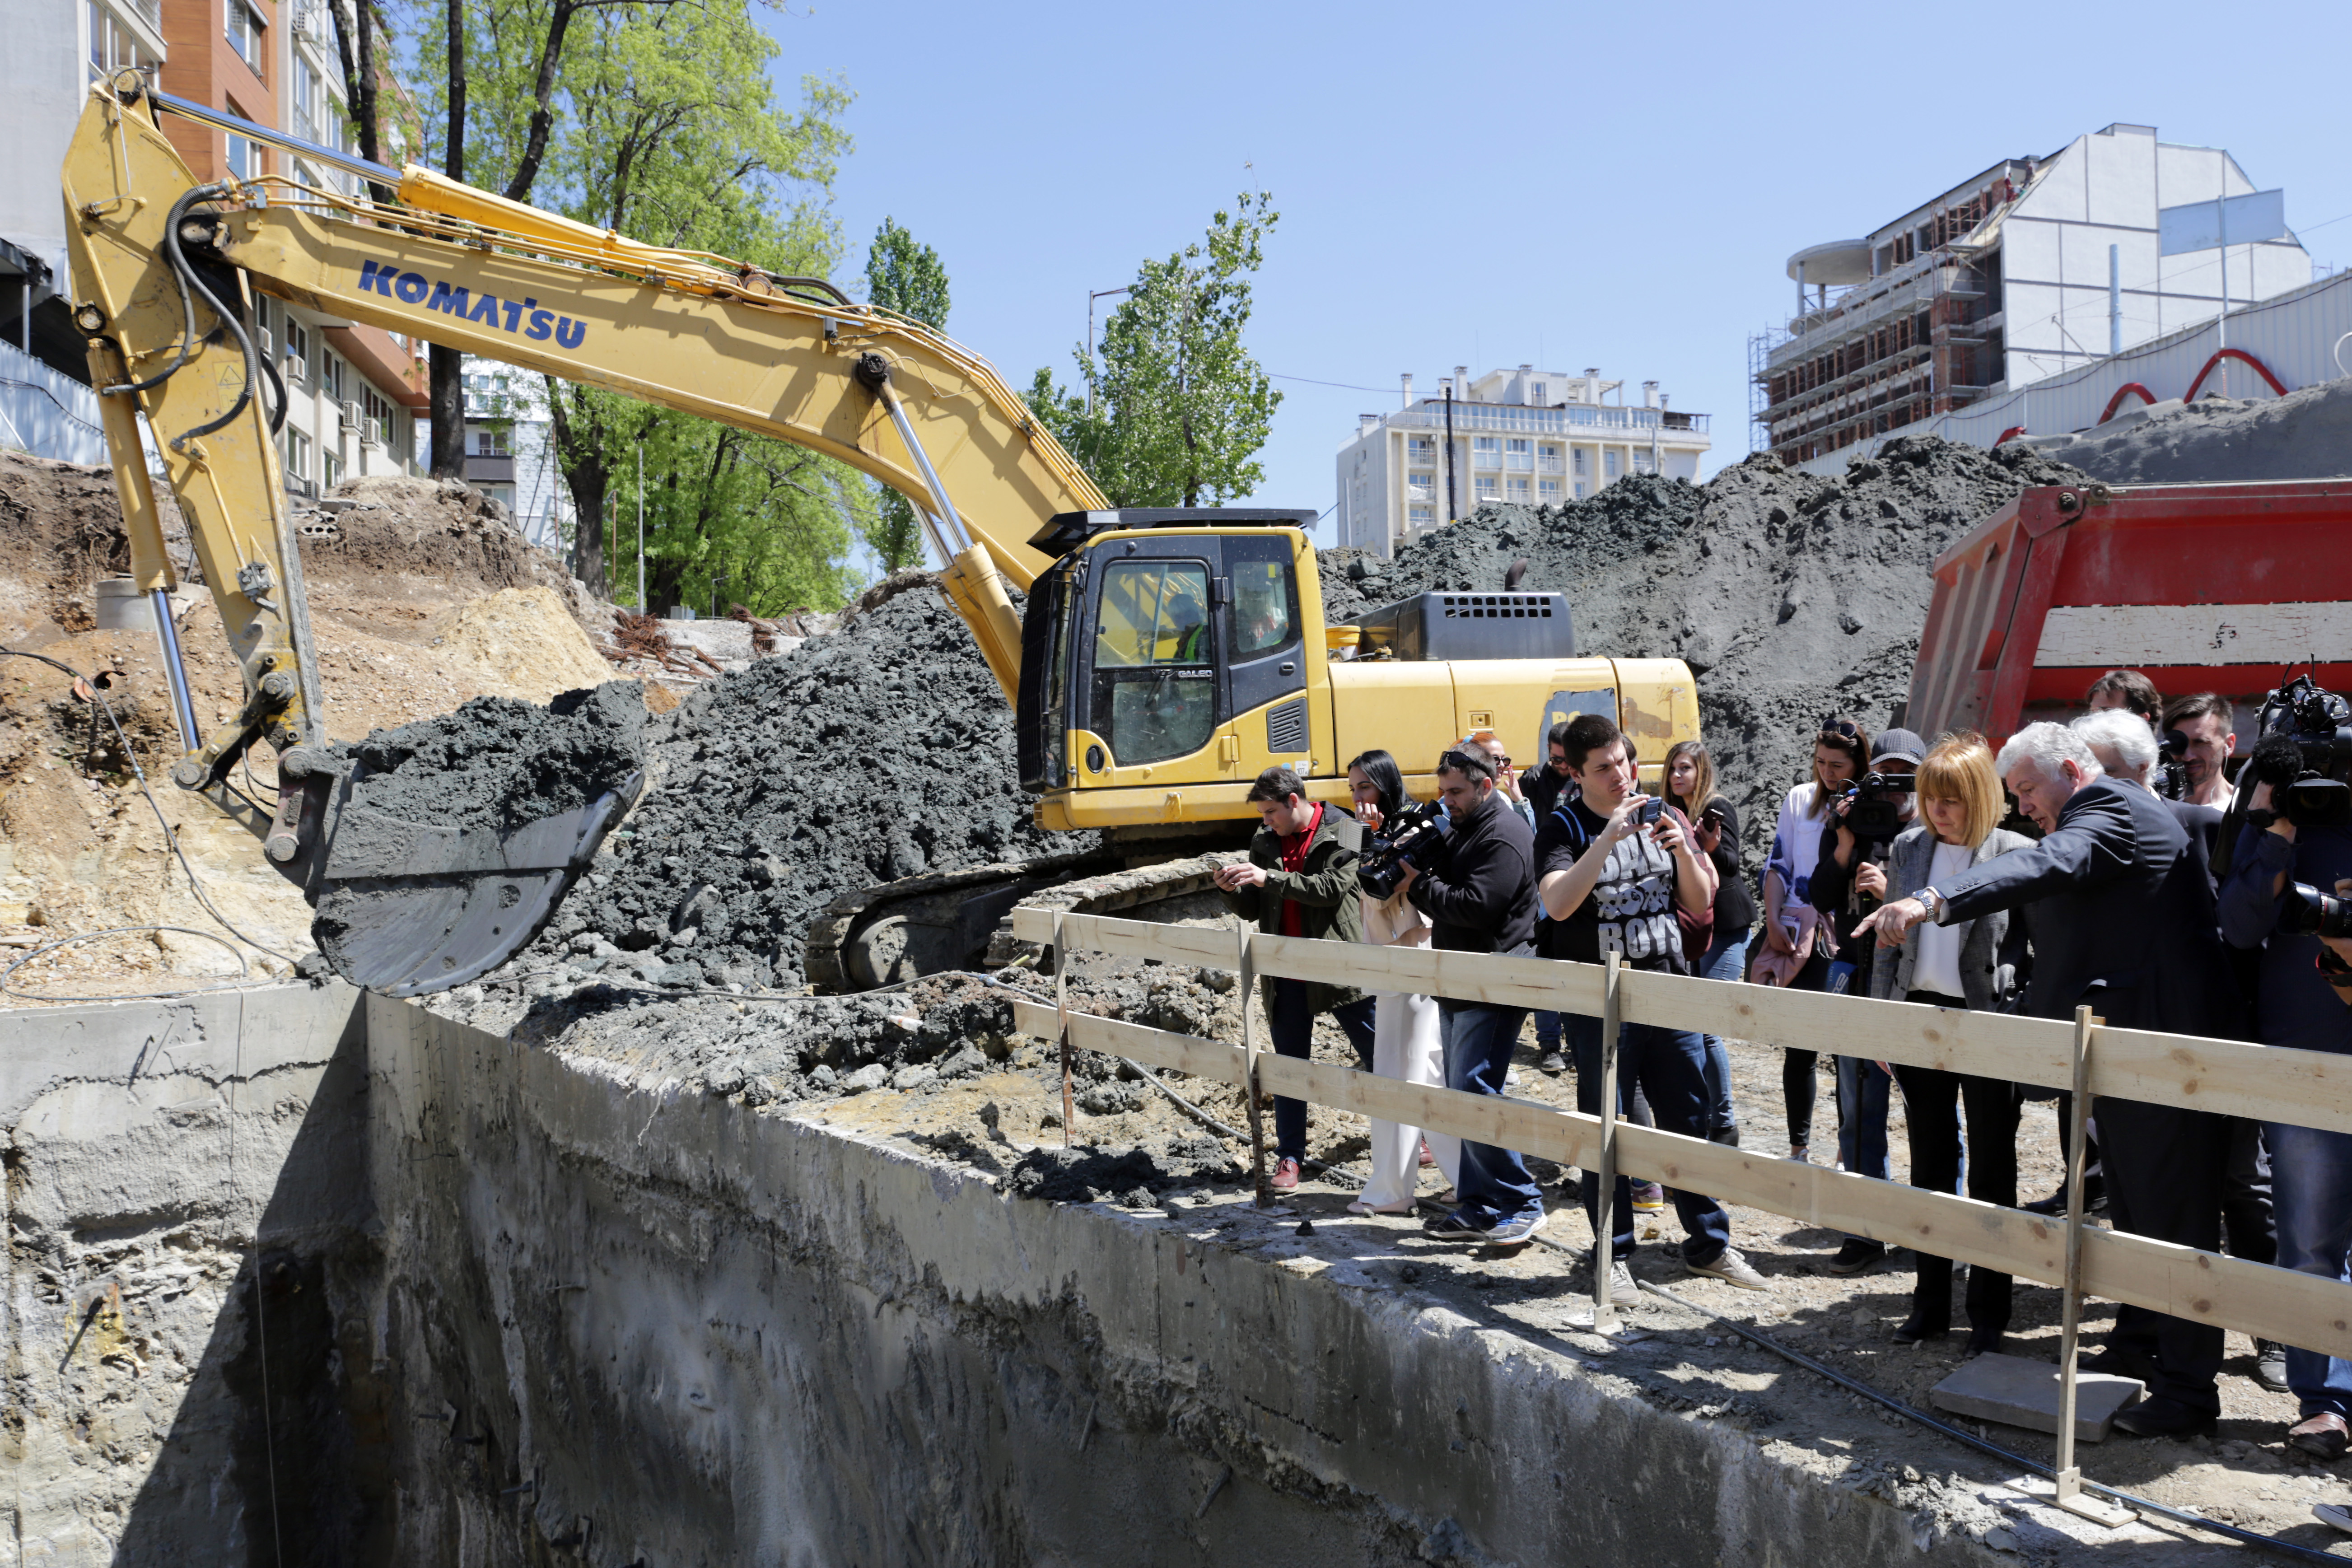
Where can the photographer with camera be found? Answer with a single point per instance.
(2204, 719)
(1849, 882)
(1300, 880)
(1615, 865)
(2279, 895)
(2123, 922)
(1690, 789)
(1479, 895)
(1406, 1043)
(2130, 690)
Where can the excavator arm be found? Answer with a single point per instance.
(164, 269)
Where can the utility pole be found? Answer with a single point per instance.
(642, 607)
(1450, 513)
(1093, 295)
(2115, 299)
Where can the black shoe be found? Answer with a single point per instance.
(1726, 1136)
(2095, 1198)
(1856, 1254)
(1913, 1332)
(1552, 1063)
(2121, 1360)
(2270, 1366)
(2164, 1418)
(1983, 1341)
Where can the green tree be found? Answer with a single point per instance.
(1179, 409)
(904, 277)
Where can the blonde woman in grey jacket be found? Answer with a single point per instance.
(1977, 964)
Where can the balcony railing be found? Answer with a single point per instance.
(1519, 419)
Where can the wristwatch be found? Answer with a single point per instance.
(1933, 902)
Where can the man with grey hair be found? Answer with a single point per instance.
(2123, 922)
(2121, 740)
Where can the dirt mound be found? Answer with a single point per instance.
(2307, 434)
(498, 763)
(522, 632)
(877, 752)
(1790, 595)
(440, 537)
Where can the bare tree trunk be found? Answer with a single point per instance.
(578, 454)
(359, 63)
(447, 390)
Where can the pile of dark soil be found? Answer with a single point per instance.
(880, 751)
(2307, 434)
(500, 763)
(1133, 1176)
(1789, 596)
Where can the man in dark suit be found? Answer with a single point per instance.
(2124, 925)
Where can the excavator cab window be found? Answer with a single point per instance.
(1155, 679)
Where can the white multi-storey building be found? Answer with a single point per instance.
(1526, 436)
(510, 450)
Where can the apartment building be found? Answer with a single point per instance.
(510, 450)
(2032, 268)
(1527, 437)
(353, 391)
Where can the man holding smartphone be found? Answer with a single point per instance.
(1612, 868)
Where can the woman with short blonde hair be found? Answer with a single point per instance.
(1977, 964)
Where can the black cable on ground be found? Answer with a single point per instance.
(130, 755)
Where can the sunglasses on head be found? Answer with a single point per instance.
(1843, 729)
(1464, 762)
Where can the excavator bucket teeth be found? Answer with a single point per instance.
(407, 908)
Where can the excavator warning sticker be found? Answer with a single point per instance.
(522, 318)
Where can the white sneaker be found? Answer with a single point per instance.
(1732, 1269)
(1512, 1232)
(1623, 1291)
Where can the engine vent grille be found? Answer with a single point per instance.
(1286, 727)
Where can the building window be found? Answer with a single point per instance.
(1539, 393)
(330, 375)
(1548, 458)
(1609, 464)
(1518, 454)
(491, 443)
(1486, 451)
(375, 417)
(298, 454)
(1489, 488)
(1580, 469)
(244, 158)
(306, 93)
(1420, 450)
(1519, 491)
(297, 350)
(1420, 516)
(249, 35)
(1580, 484)
(1641, 462)
(331, 470)
(1547, 490)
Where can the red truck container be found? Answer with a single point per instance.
(2202, 587)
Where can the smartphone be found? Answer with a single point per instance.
(1650, 810)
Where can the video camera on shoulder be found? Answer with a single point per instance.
(2305, 753)
(1408, 838)
(1876, 816)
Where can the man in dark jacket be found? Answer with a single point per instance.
(1482, 898)
(2124, 923)
(1300, 880)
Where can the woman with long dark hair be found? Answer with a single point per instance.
(1690, 789)
(1796, 952)
(1967, 964)
(1405, 1041)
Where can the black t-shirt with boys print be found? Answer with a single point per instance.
(1631, 909)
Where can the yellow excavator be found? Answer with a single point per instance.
(1163, 658)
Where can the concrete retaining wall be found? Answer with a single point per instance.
(520, 1308)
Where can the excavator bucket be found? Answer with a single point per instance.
(408, 908)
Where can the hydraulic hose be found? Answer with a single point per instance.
(187, 300)
(256, 364)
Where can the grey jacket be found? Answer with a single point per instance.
(1992, 946)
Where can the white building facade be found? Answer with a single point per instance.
(1526, 437)
(2032, 268)
(510, 450)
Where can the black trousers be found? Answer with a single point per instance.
(1931, 1099)
(2163, 1180)
(2246, 1217)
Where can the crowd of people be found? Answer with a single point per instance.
(2112, 862)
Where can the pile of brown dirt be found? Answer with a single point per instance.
(428, 540)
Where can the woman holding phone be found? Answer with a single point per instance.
(1796, 951)
(1405, 1041)
(1975, 964)
(1690, 789)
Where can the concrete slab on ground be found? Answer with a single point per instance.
(2017, 1392)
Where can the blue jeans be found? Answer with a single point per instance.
(1546, 1032)
(1862, 1116)
(1670, 1066)
(1726, 959)
(2311, 1192)
(1493, 1186)
(1291, 1023)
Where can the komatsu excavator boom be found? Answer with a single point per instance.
(1164, 657)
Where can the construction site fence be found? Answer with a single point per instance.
(2307, 1088)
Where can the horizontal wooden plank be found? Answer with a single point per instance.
(2255, 1298)
(2305, 1088)
(2137, 635)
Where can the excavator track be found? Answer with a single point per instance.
(962, 920)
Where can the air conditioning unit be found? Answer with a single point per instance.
(372, 432)
(350, 416)
(264, 333)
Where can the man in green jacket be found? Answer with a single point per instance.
(1300, 880)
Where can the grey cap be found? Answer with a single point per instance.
(1898, 746)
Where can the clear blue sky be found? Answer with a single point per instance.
(1617, 187)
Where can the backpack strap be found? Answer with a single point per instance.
(1575, 829)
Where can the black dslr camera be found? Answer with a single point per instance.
(2307, 910)
(1873, 817)
(2171, 780)
(1405, 839)
(2305, 753)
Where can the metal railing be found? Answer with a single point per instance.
(2305, 1088)
(1520, 419)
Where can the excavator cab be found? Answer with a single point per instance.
(1165, 646)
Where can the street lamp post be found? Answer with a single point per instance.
(1092, 295)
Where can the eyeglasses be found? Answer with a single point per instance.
(1843, 729)
(1463, 763)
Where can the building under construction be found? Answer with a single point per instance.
(2027, 269)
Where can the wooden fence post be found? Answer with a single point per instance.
(1248, 969)
(1604, 1223)
(2070, 1494)
(1061, 1015)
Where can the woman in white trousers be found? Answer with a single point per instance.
(1405, 1042)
